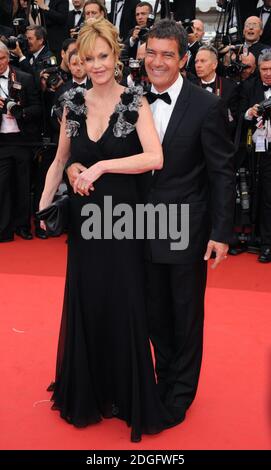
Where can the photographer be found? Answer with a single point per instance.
(122, 15)
(136, 35)
(264, 14)
(20, 113)
(206, 65)
(195, 31)
(253, 30)
(94, 9)
(255, 92)
(38, 52)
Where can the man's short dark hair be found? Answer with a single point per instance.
(40, 32)
(145, 4)
(169, 29)
(67, 42)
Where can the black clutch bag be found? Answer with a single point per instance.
(55, 216)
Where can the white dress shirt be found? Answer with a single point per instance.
(77, 17)
(119, 6)
(9, 123)
(162, 111)
(265, 16)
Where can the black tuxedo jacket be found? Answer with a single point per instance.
(29, 124)
(198, 170)
(257, 48)
(266, 36)
(127, 18)
(252, 92)
(37, 65)
(228, 90)
(193, 49)
(55, 21)
(70, 22)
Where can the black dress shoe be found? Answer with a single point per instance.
(24, 233)
(7, 239)
(40, 233)
(265, 256)
(237, 250)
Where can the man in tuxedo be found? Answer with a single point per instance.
(20, 113)
(54, 15)
(122, 14)
(135, 39)
(264, 14)
(198, 171)
(254, 92)
(75, 16)
(38, 52)
(206, 65)
(194, 43)
(253, 30)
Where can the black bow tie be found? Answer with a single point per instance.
(208, 85)
(76, 12)
(267, 87)
(152, 97)
(76, 85)
(3, 76)
(265, 10)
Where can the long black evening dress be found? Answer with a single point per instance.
(104, 365)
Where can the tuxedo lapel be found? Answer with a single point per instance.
(177, 113)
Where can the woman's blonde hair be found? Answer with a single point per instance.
(100, 28)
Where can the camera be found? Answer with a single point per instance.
(264, 109)
(235, 69)
(188, 26)
(53, 70)
(12, 107)
(138, 72)
(12, 40)
(19, 25)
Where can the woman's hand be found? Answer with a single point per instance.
(84, 182)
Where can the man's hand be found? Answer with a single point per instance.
(17, 51)
(2, 103)
(84, 182)
(73, 171)
(136, 33)
(41, 4)
(253, 112)
(220, 249)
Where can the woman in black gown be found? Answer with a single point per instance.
(104, 366)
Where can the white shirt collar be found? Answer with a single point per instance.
(84, 82)
(6, 73)
(35, 54)
(210, 82)
(173, 90)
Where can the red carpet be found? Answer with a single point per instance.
(232, 409)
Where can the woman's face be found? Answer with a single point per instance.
(100, 63)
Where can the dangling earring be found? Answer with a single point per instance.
(116, 73)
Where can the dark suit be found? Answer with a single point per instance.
(266, 36)
(193, 50)
(228, 91)
(252, 93)
(198, 170)
(127, 18)
(15, 158)
(55, 21)
(6, 12)
(257, 48)
(71, 21)
(37, 66)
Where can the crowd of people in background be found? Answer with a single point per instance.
(39, 62)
